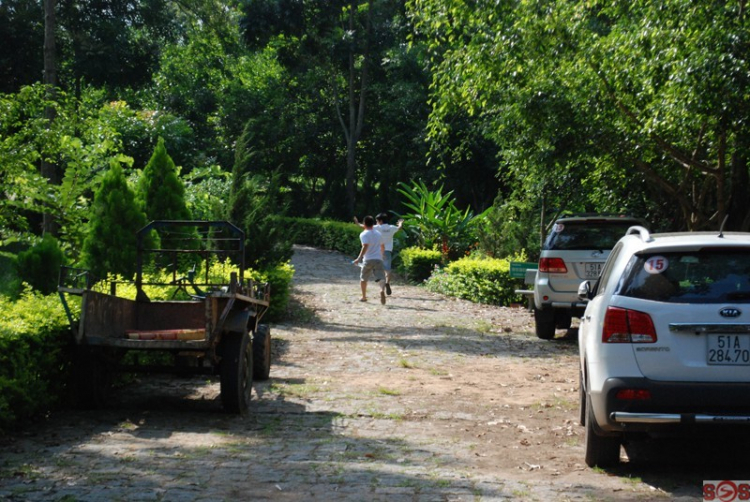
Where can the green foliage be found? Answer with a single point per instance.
(478, 280)
(206, 189)
(279, 277)
(39, 266)
(110, 245)
(9, 281)
(34, 333)
(417, 264)
(325, 234)
(254, 202)
(80, 141)
(436, 221)
(631, 107)
(509, 228)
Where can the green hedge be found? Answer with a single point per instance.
(481, 280)
(417, 264)
(34, 335)
(326, 234)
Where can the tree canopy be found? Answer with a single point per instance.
(525, 108)
(641, 104)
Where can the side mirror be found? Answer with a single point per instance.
(584, 291)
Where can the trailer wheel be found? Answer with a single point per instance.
(262, 352)
(92, 378)
(236, 372)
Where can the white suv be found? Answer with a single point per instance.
(574, 250)
(665, 339)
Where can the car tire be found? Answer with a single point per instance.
(581, 399)
(600, 451)
(563, 319)
(545, 323)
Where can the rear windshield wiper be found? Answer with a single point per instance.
(739, 295)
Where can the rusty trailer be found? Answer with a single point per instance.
(204, 327)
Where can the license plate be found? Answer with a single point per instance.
(591, 270)
(728, 349)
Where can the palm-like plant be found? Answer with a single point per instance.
(435, 220)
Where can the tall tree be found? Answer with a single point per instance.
(336, 43)
(22, 33)
(48, 168)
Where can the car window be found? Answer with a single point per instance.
(607, 270)
(704, 276)
(582, 235)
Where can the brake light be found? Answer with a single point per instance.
(627, 326)
(552, 266)
(633, 394)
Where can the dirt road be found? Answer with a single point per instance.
(424, 399)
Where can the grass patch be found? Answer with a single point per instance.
(294, 389)
(405, 363)
(389, 392)
(385, 416)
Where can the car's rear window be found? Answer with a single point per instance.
(583, 235)
(705, 276)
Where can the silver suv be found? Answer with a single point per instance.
(574, 251)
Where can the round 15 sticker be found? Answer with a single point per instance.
(656, 265)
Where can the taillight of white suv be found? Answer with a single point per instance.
(552, 266)
(627, 326)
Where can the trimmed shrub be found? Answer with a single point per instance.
(280, 279)
(417, 264)
(325, 234)
(481, 280)
(34, 333)
(39, 266)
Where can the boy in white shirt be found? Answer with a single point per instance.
(371, 256)
(387, 231)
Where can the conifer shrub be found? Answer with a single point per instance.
(161, 193)
(110, 245)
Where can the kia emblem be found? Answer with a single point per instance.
(730, 312)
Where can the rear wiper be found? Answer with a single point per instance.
(739, 295)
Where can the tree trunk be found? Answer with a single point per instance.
(48, 169)
(356, 103)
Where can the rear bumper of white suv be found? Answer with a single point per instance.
(623, 417)
(672, 404)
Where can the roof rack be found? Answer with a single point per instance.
(588, 215)
(641, 231)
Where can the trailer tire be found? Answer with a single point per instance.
(92, 377)
(262, 352)
(236, 370)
